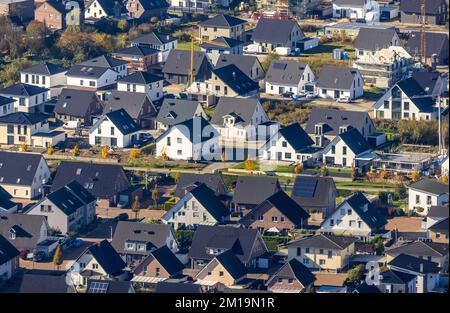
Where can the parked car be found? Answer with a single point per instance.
(310, 95)
(288, 94)
(121, 217)
(344, 100)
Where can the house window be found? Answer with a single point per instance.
(406, 106)
(94, 266)
(305, 261)
(10, 129)
(386, 104)
(330, 254)
(168, 141)
(114, 142)
(92, 83)
(12, 235)
(280, 279)
(299, 251)
(344, 150)
(290, 281)
(179, 152)
(332, 222)
(112, 130)
(221, 273)
(417, 199)
(284, 144)
(428, 200)
(129, 246)
(157, 272)
(306, 250)
(179, 140)
(321, 262)
(333, 149)
(98, 140)
(287, 155)
(349, 212)
(274, 219)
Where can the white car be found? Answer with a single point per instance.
(310, 95)
(344, 100)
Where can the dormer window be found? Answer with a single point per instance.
(319, 130)
(342, 129)
(12, 234)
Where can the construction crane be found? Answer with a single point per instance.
(200, 41)
(423, 15)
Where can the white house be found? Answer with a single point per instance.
(371, 40)
(6, 105)
(90, 76)
(44, 75)
(355, 216)
(193, 139)
(28, 98)
(339, 82)
(200, 206)
(163, 43)
(97, 9)
(108, 61)
(367, 10)
(288, 76)
(142, 82)
(426, 193)
(114, 129)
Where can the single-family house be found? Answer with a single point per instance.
(45, 75)
(327, 282)
(439, 232)
(146, 9)
(187, 181)
(175, 111)
(52, 14)
(6, 105)
(9, 259)
(436, 213)
(435, 12)
(339, 82)
(138, 58)
(223, 25)
(77, 105)
(292, 277)
(371, 40)
(142, 82)
(248, 64)
(425, 193)
(367, 10)
(391, 281)
(230, 81)
(288, 76)
(97, 9)
(161, 42)
(28, 98)
(108, 62)
(91, 77)
(272, 33)
(436, 47)
(177, 67)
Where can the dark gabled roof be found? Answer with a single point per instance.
(71, 197)
(232, 264)
(234, 78)
(177, 63)
(49, 283)
(23, 118)
(56, 5)
(365, 210)
(22, 89)
(155, 235)
(427, 80)
(196, 127)
(244, 62)
(311, 191)
(395, 277)
(435, 43)
(174, 111)
(172, 287)
(424, 104)
(324, 241)
(296, 136)
(222, 21)
(355, 141)
(210, 202)
(414, 264)
(18, 168)
(99, 179)
(90, 71)
(112, 286)
(243, 108)
(221, 43)
(273, 31)
(293, 269)
(244, 192)
(421, 248)
(438, 211)
(45, 68)
(285, 205)
(332, 119)
(131, 102)
(414, 6)
(153, 39)
(374, 39)
(411, 87)
(165, 258)
(239, 240)
(107, 257)
(285, 72)
(430, 186)
(335, 77)
(7, 251)
(105, 61)
(153, 4)
(358, 3)
(142, 78)
(365, 288)
(75, 102)
(191, 180)
(26, 227)
(123, 121)
(5, 200)
(441, 226)
(136, 50)
(6, 100)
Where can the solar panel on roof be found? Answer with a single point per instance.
(305, 188)
(98, 287)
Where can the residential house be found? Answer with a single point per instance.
(142, 82)
(44, 75)
(91, 77)
(99, 261)
(323, 252)
(433, 82)
(52, 14)
(50, 283)
(187, 181)
(9, 260)
(426, 272)
(193, 139)
(108, 62)
(317, 195)
(23, 175)
(175, 111)
(106, 182)
(392, 281)
(367, 10)
(209, 241)
(160, 265)
(288, 76)
(97, 9)
(161, 42)
(68, 208)
(248, 64)
(6, 105)
(222, 45)
(6, 205)
(177, 67)
(345, 148)
(436, 214)
(230, 81)
(135, 241)
(32, 129)
(371, 40)
(114, 129)
(110, 286)
(239, 119)
(199, 206)
(431, 251)
(290, 144)
(292, 277)
(339, 82)
(28, 98)
(439, 232)
(355, 216)
(330, 282)
(21, 9)
(222, 26)
(77, 105)
(435, 12)
(425, 193)
(138, 106)
(325, 124)
(272, 33)
(278, 214)
(138, 58)
(406, 100)
(146, 9)
(244, 197)
(436, 48)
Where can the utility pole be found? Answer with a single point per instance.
(422, 32)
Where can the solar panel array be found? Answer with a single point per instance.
(98, 287)
(305, 188)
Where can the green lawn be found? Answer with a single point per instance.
(183, 45)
